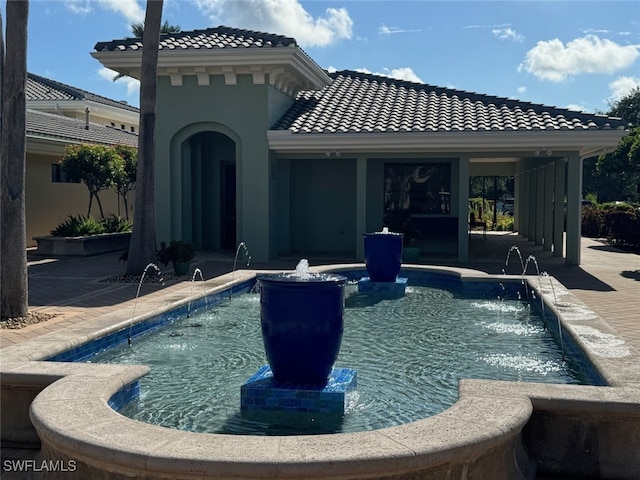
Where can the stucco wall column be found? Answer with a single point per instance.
(517, 202)
(574, 208)
(549, 173)
(463, 207)
(361, 205)
(174, 193)
(254, 189)
(539, 236)
(192, 186)
(558, 208)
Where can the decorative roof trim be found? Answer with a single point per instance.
(588, 143)
(289, 68)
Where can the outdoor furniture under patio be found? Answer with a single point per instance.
(473, 223)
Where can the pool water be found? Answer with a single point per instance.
(409, 354)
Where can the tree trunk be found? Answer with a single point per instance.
(99, 205)
(142, 247)
(2, 150)
(13, 244)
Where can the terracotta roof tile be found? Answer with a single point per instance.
(357, 102)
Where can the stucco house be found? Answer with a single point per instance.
(258, 143)
(59, 115)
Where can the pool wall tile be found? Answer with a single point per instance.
(261, 392)
(86, 351)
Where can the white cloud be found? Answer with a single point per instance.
(402, 73)
(622, 86)
(469, 27)
(384, 30)
(507, 34)
(133, 85)
(129, 9)
(552, 60)
(286, 17)
(521, 90)
(576, 107)
(80, 7)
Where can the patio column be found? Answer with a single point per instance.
(548, 207)
(524, 205)
(558, 208)
(539, 235)
(463, 207)
(517, 201)
(361, 205)
(574, 208)
(531, 206)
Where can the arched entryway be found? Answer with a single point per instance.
(208, 190)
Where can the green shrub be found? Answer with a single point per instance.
(504, 223)
(177, 251)
(623, 227)
(76, 226)
(593, 224)
(80, 225)
(116, 224)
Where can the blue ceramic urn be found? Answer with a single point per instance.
(383, 255)
(302, 324)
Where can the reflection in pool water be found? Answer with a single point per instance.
(409, 354)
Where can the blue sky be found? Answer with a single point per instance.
(572, 54)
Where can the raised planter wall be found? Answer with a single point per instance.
(82, 246)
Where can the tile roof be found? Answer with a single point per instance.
(43, 89)
(210, 38)
(48, 125)
(362, 103)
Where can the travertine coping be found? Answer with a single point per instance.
(73, 415)
(73, 419)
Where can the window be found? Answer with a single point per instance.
(418, 187)
(57, 175)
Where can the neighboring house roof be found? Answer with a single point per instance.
(49, 126)
(210, 38)
(44, 89)
(362, 103)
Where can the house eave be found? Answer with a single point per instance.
(587, 143)
(287, 68)
(78, 106)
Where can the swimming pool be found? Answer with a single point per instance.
(481, 435)
(409, 352)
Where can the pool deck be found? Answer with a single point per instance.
(608, 282)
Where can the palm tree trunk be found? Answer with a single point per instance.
(2, 151)
(142, 246)
(13, 244)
